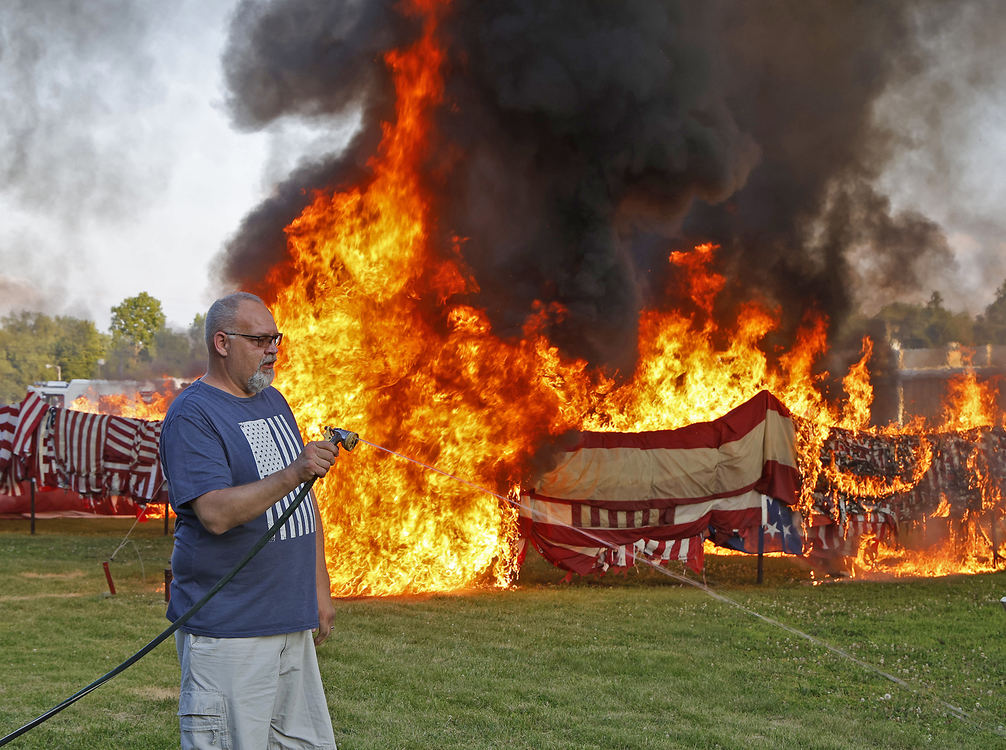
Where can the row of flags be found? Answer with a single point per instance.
(611, 500)
(107, 460)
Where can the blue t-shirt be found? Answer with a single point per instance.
(211, 440)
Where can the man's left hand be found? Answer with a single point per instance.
(326, 619)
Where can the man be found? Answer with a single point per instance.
(234, 459)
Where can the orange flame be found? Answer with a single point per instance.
(149, 405)
(375, 346)
(363, 355)
(856, 415)
(951, 540)
(140, 405)
(969, 404)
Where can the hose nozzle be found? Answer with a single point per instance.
(345, 438)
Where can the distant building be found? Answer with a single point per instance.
(63, 394)
(919, 378)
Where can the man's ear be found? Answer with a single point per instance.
(220, 340)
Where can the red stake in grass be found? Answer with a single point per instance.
(108, 577)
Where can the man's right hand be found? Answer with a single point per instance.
(315, 460)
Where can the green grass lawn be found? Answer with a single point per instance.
(629, 661)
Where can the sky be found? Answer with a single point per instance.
(122, 171)
(952, 120)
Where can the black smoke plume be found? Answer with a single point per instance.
(582, 140)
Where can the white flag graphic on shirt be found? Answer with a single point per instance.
(274, 446)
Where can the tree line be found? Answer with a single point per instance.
(932, 325)
(137, 346)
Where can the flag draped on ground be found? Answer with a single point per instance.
(613, 497)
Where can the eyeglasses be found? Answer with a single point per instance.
(260, 341)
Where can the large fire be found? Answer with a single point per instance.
(375, 347)
(375, 344)
(147, 404)
(971, 540)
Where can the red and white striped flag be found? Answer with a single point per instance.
(147, 473)
(8, 423)
(830, 539)
(614, 496)
(19, 452)
(79, 441)
(118, 454)
(30, 414)
(41, 459)
(98, 456)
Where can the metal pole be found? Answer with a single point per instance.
(761, 551)
(32, 483)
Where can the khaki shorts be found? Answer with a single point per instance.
(252, 693)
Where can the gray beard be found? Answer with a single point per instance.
(260, 381)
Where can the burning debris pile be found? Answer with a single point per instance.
(890, 487)
(615, 498)
(927, 495)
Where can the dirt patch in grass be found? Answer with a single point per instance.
(54, 576)
(152, 692)
(30, 597)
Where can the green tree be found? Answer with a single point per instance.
(121, 362)
(28, 340)
(142, 346)
(943, 326)
(37, 347)
(177, 355)
(136, 321)
(10, 391)
(197, 332)
(78, 347)
(926, 326)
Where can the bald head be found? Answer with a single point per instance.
(242, 343)
(223, 315)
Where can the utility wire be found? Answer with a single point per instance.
(125, 539)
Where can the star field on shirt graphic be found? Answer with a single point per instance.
(274, 445)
